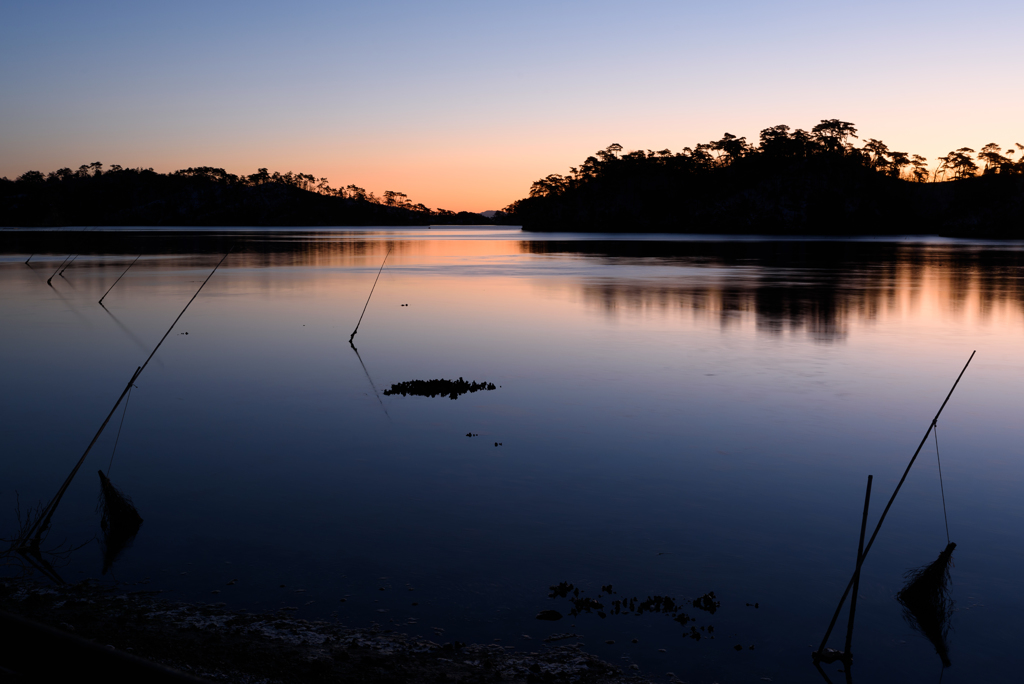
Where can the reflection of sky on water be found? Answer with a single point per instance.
(718, 403)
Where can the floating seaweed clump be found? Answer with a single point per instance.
(562, 589)
(432, 388)
(625, 606)
(707, 602)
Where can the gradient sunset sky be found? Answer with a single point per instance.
(462, 105)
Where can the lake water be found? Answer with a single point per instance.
(673, 417)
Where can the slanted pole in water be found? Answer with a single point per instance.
(856, 573)
(69, 263)
(892, 498)
(118, 280)
(184, 310)
(368, 298)
(43, 522)
(58, 268)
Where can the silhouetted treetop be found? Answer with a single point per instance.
(822, 181)
(203, 195)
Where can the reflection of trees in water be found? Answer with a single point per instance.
(818, 289)
(776, 309)
(258, 249)
(813, 287)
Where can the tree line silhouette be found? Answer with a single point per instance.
(791, 181)
(203, 196)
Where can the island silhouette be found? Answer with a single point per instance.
(791, 182)
(204, 196)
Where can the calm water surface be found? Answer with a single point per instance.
(673, 417)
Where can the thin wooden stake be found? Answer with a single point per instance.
(368, 298)
(58, 268)
(892, 498)
(856, 573)
(118, 280)
(69, 263)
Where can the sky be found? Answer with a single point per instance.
(462, 105)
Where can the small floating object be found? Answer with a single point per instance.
(549, 615)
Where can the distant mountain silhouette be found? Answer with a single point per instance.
(203, 196)
(792, 182)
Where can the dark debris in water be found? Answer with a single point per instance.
(666, 605)
(707, 602)
(438, 387)
(561, 590)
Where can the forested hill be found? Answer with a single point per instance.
(92, 196)
(791, 182)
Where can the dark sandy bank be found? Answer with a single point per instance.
(105, 623)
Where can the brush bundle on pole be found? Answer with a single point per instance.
(926, 603)
(120, 521)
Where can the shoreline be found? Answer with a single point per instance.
(210, 642)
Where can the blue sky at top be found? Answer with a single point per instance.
(463, 104)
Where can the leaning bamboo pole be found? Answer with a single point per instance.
(36, 531)
(885, 511)
(368, 298)
(118, 280)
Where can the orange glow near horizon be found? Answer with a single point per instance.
(463, 173)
